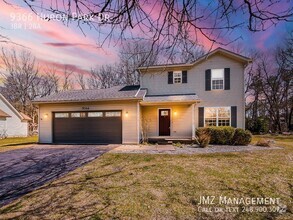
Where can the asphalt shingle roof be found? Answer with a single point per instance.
(113, 93)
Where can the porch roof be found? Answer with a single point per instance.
(170, 99)
(3, 114)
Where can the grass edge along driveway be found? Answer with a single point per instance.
(17, 142)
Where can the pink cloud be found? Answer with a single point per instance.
(60, 67)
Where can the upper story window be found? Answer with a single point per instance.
(177, 77)
(217, 79)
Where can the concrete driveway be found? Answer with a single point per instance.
(23, 170)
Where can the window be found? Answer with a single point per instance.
(177, 77)
(217, 79)
(78, 115)
(61, 115)
(164, 113)
(219, 116)
(75, 115)
(95, 114)
(113, 114)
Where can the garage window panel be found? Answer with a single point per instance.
(62, 115)
(78, 115)
(75, 115)
(95, 114)
(113, 114)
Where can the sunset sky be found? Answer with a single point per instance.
(54, 43)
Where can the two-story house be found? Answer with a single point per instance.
(171, 102)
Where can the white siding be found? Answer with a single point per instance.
(130, 124)
(157, 84)
(13, 125)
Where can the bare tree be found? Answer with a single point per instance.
(104, 76)
(67, 83)
(270, 90)
(284, 59)
(186, 52)
(3, 38)
(93, 81)
(133, 55)
(20, 73)
(22, 81)
(52, 80)
(168, 23)
(81, 80)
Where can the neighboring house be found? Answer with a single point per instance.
(12, 122)
(171, 102)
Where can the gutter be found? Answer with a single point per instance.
(81, 101)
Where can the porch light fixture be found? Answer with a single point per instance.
(126, 114)
(175, 113)
(45, 115)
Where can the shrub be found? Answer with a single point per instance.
(241, 137)
(224, 135)
(263, 143)
(221, 135)
(203, 137)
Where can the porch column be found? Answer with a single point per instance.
(138, 117)
(192, 121)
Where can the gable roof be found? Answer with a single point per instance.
(219, 50)
(17, 113)
(3, 114)
(113, 93)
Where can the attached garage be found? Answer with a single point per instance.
(97, 127)
(91, 116)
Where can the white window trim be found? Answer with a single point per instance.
(217, 118)
(218, 79)
(176, 72)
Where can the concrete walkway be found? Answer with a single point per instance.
(185, 149)
(24, 170)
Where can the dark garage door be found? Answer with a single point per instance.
(87, 127)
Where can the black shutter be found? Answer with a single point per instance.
(208, 80)
(234, 116)
(227, 78)
(170, 77)
(184, 76)
(200, 116)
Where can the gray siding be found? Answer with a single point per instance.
(157, 84)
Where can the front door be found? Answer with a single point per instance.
(164, 122)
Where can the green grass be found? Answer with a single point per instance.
(140, 186)
(16, 142)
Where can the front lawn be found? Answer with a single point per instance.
(16, 142)
(140, 186)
